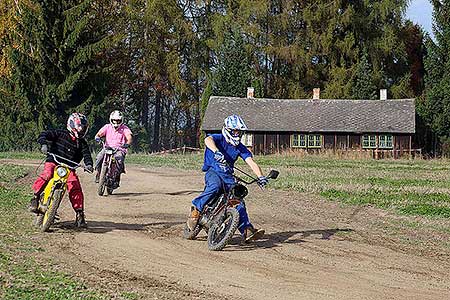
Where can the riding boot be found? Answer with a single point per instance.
(34, 204)
(97, 176)
(80, 222)
(251, 234)
(193, 218)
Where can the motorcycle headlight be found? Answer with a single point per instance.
(62, 172)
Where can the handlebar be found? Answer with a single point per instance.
(273, 174)
(75, 164)
(104, 146)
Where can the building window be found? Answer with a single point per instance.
(247, 140)
(306, 141)
(314, 141)
(298, 141)
(369, 141)
(385, 141)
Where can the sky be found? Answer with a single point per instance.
(419, 11)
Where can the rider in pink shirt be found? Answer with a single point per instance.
(117, 135)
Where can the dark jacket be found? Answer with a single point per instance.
(61, 143)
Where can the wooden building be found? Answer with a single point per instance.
(277, 125)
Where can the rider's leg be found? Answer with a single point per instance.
(246, 228)
(76, 198)
(120, 158)
(213, 186)
(98, 164)
(39, 185)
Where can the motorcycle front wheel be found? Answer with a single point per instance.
(109, 190)
(221, 231)
(49, 215)
(102, 181)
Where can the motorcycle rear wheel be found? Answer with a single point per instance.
(53, 205)
(220, 233)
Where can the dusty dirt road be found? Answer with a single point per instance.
(313, 249)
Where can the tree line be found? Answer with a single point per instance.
(160, 60)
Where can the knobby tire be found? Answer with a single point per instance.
(49, 216)
(102, 182)
(217, 241)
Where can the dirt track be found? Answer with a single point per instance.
(313, 249)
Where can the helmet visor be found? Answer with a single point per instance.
(116, 121)
(82, 130)
(236, 133)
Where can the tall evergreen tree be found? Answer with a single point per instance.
(233, 74)
(363, 87)
(436, 107)
(19, 87)
(57, 65)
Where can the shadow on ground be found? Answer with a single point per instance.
(107, 226)
(277, 239)
(176, 193)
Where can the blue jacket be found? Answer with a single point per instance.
(230, 152)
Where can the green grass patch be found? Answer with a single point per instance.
(21, 155)
(25, 279)
(431, 205)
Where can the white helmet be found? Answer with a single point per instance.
(115, 118)
(233, 129)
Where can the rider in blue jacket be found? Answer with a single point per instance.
(222, 151)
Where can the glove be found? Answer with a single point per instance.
(218, 156)
(125, 146)
(262, 181)
(98, 139)
(89, 168)
(44, 149)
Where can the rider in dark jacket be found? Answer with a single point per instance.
(69, 144)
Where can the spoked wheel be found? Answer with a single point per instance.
(102, 181)
(191, 234)
(53, 205)
(220, 233)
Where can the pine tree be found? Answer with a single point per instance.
(57, 62)
(233, 73)
(436, 108)
(19, 87)
(363, 87)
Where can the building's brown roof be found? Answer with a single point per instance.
(383, 116)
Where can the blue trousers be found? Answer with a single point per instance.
(216, 184)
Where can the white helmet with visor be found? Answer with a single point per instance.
(233, 129)
(116, 118)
